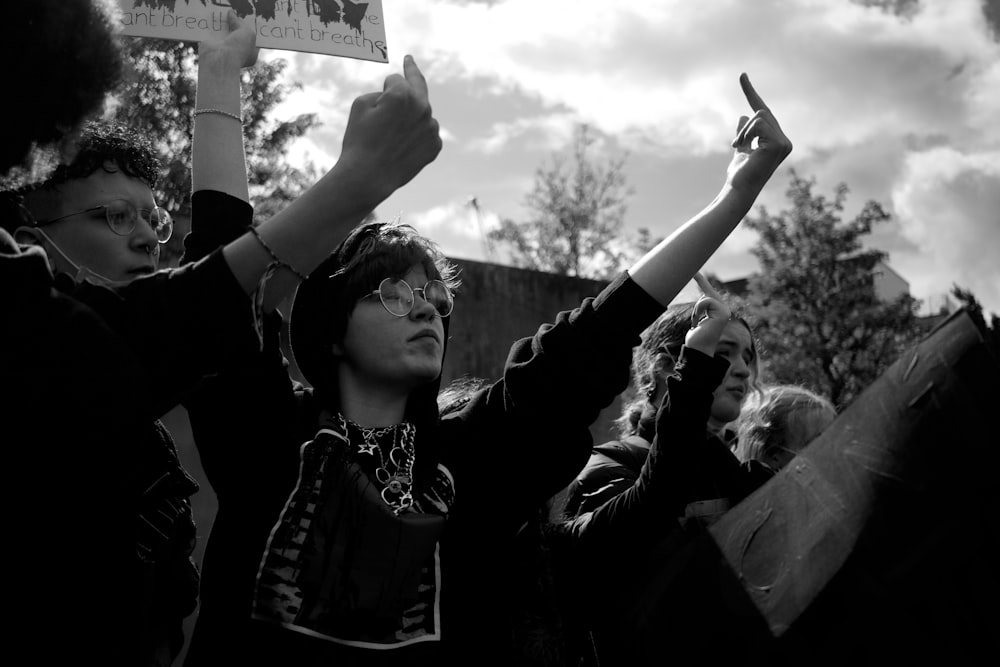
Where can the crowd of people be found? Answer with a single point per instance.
(370, 515)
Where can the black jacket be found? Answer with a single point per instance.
(252, 424)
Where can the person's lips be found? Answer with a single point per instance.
(141, 271)
(427, 333)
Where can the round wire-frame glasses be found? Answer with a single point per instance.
(121, 216)
(397, 296)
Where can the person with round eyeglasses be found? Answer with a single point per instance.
(95, 216)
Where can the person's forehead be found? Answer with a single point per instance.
(101, 187)
(416, 275)
(736, 333)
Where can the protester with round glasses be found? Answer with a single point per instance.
(95, 216)
(358, 525)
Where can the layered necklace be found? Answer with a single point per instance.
(392, 456)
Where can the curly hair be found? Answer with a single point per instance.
(666, 337)
(765, 422)
(111, 146)
(61, 58)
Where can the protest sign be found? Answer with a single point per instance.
(334, 27)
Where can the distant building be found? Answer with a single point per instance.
(888, 284)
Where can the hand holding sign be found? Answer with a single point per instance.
(709, 318)
(391, 135)
(760, 144)
(340, 28)
(235, 48)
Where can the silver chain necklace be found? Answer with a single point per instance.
(395, 474)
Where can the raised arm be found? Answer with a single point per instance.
(648, 509)
(218, 156)
(390, 137)
(760, 146)
(220, 206)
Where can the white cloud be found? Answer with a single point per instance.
(554, 132)
(901, 109)
(835, 72)
(948, 204)
(456, 227)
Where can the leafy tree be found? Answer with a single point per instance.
(158, 98)
(578, 214)
(991, 331)
(819, 319)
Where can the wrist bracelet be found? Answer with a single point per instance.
(220, 112)
(276, 260)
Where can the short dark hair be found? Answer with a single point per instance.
(324, 302)
(61, 58)
(111, 146)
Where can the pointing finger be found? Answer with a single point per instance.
(706, 287)
(414, 76)
(755, 101)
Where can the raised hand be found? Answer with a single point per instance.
(390, 135)
(708, 320)
(238, 46)
(760, 144)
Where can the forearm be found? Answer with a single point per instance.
(390, 137)
(218, 156)
(302, 235)
(668, 267)
(658, 496)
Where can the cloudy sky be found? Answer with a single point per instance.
(898, 99)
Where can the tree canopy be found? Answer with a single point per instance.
(820, 320)
(578, 212)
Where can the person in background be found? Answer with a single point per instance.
(778, 422)
(719, 481)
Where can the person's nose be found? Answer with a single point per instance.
(739, 368)
(422, 308)
(143, 237)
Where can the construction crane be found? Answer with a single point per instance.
(488, 249)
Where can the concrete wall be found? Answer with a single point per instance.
(499, 304)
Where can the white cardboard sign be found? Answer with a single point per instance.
(335, 27)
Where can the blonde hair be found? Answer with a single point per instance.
(764, 421)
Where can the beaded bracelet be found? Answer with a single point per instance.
(220, 112)
(274, 257)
